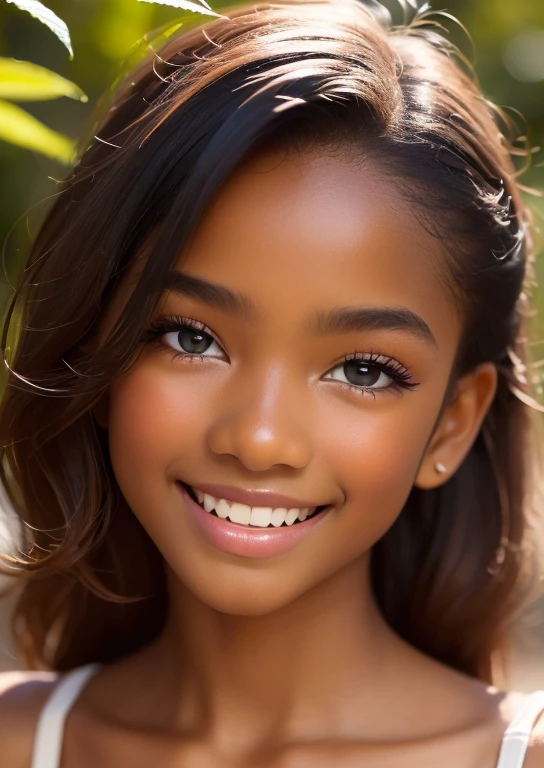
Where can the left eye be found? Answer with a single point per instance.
(191, 341)
(361, 373)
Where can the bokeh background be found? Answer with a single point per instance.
(506, 49)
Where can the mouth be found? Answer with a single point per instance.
(251, 517)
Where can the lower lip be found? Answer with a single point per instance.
(245, 541)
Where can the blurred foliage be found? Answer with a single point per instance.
(47, 17)
(20, 128)
(24, 81)
(104, 33)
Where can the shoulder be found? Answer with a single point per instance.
(535, 754)
(22, 696)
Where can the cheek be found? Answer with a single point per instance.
(375, 458)
(153, 423)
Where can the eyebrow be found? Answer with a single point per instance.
(213, 294)
(337, 320)
(354, 319)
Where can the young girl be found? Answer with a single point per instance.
(269, 430)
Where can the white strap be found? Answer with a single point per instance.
(518, 734)
(50, 726)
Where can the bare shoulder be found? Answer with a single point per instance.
(535, 755)
(515, 703)
(22, 696)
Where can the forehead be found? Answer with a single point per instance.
(318, 230)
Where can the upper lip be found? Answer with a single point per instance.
(260, 498)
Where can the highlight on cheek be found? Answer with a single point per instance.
(360, 372)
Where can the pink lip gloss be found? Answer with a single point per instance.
(244, 540)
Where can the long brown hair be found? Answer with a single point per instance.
(449, 574)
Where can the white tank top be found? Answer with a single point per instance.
(50, 726)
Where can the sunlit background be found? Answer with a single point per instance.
(507, 51)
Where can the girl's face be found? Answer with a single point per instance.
(322, 261)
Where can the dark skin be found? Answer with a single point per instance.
(286, 661)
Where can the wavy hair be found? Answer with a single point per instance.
(302, 74)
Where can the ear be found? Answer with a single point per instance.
(458, 426)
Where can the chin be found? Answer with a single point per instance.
(239, 596)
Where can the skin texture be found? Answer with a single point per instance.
(286, 661)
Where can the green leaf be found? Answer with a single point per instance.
(47, 17)
(19, 128)
(186, 5)
(23, 81)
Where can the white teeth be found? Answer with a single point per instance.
(199, 495)
(261, 516)
(246, 515)
(222, 508)
(238, 513)
(291, 516)
(278, 516)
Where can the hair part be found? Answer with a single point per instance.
(329, 74)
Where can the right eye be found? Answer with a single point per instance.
(187, 337)
(189, 340)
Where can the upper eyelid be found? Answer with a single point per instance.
(374, 357)
(170, 324)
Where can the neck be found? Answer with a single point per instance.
(320, 660)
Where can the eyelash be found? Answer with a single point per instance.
(400, 376)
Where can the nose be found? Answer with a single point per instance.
(262, 423)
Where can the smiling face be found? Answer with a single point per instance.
(321, 260)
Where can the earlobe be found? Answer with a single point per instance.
(458, 427)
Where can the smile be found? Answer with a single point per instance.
(253, 517)
(275, 532)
